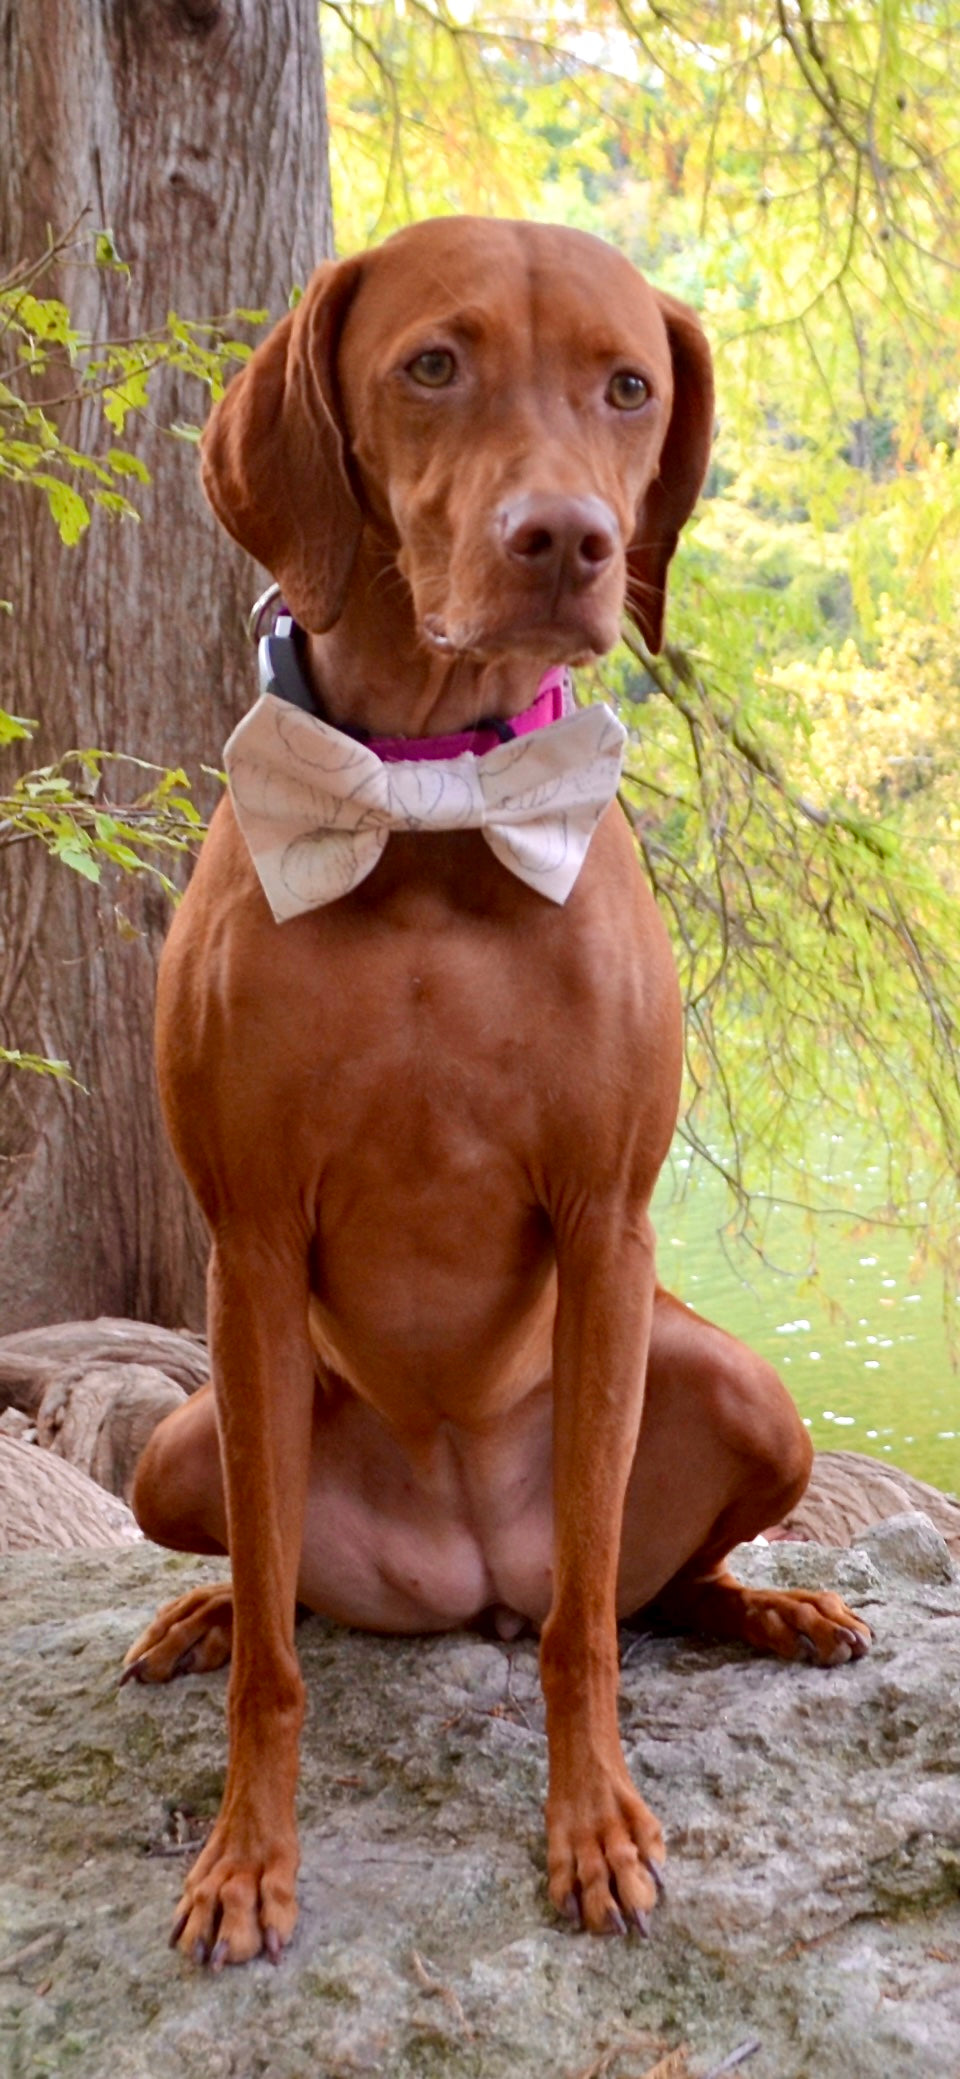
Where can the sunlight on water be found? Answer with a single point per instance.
(863, 1349)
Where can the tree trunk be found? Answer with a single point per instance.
(195, 130)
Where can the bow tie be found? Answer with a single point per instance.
(317, 808)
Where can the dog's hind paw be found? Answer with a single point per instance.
(189, 1636)
(807, 1624)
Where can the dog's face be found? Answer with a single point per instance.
(512, 414)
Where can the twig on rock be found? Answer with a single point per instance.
(435, 1989)
(736, 2057)
(666, 2068)
(511, 1702)
(52, 1938)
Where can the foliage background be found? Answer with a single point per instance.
(792, 172)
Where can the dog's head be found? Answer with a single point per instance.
(520, 422)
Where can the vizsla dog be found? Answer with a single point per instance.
(424, 1112)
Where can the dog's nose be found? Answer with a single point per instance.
(553, 536)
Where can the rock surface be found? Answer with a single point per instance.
(813, 1819)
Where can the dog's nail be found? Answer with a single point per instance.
(219, 1957)
(132, 1673)
(571, 1909)
(178, 1926)
(272, 1944)
(200, 1952)
(615, 1924)
(806, 1649)
(641, 1921)
(656, 1873)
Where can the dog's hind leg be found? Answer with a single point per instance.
(722, 1455)
(178, 1501)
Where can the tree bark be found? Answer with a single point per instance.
(195, 130)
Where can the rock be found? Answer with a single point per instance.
(813, 1819)
(848, 1491)
(47, 1505)
(909, 1544)
(851, 1574)
(100, 1417)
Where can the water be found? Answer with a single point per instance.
(862, 1344)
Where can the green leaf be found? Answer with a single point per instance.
(130, 395)
(24, 454)
(46, 317)
(115, 502)
(105, 252)
(186, 808)
(74, 852)
(39, 1064)
(70, 511)
(14, 728)
(125, 464)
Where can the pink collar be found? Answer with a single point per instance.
(281, 671)
(554, 700)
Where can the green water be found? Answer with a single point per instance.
(862, 1345)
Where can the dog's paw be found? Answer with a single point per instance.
(189, 1636)
(806, 1624)
(239, 1900)
(605, 1856)
(795, 1623)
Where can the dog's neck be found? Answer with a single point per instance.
(374, 672)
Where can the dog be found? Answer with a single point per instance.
(419, 1050)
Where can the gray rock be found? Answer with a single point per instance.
(813, 1819)
(849, 1573)
(909, 1544)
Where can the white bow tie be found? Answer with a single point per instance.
(316, 808)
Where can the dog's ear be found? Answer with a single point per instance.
(272, 456)
(671, 497)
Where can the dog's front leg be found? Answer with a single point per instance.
(604, 1846)
(240, 1896)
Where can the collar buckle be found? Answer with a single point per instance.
(265, 613)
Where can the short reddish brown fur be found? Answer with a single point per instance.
(425, 1122)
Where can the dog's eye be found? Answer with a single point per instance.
(434, 369)
(627, 391)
